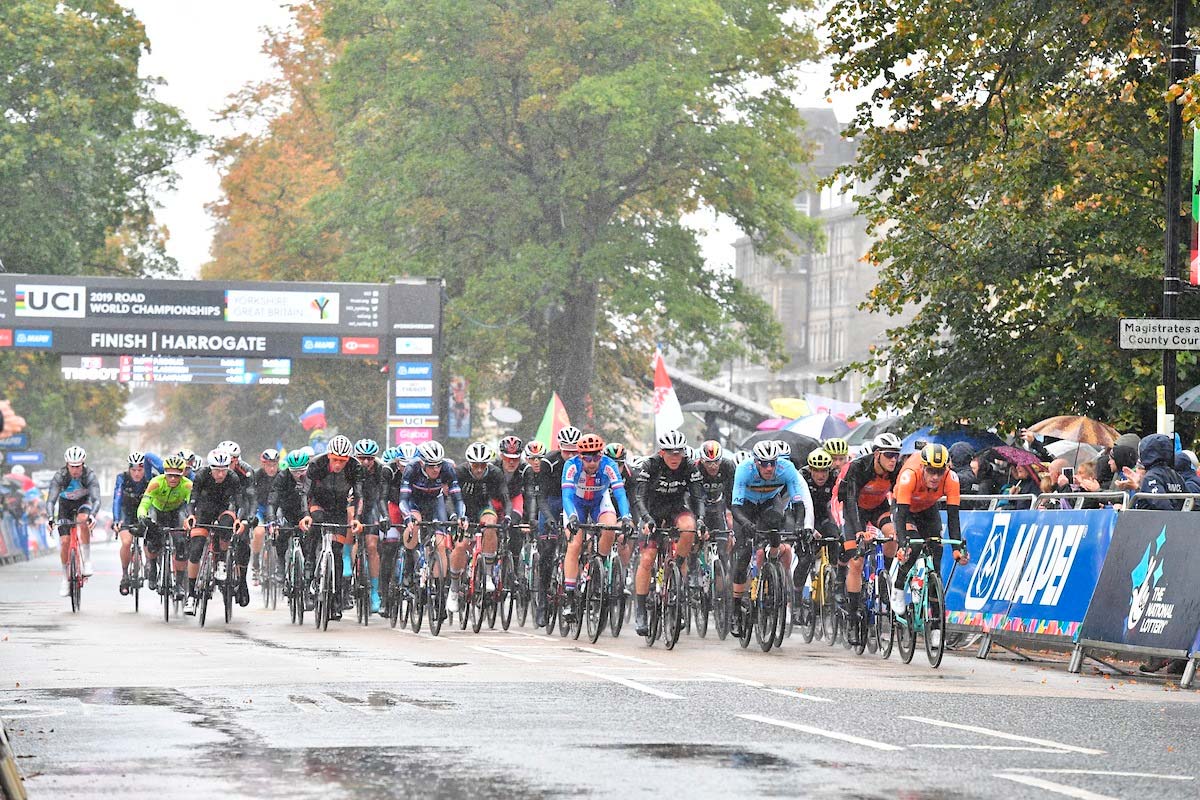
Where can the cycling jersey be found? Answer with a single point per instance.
(483, 493)
(288, 497)
(515, 482)
(718, 489)
(583, 495)
(420, 490)
(862, 487)
(334, 491)
(663, 492)
(127, 494)
(749, 486)
(374, 494)
(75, 493)
(211, 498)
(917, 503)
(161, 496)
(822, 495)
(262, 488)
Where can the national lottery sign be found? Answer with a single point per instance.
(1031, 573)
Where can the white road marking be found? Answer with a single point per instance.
(513, 656)
(731, 679)
(1057, 788)
(632, 684)
(800, 695)
(1012, 737)
(30, 712)
(599, 652)
(990, 747)
(1105, 772)
(844, 737)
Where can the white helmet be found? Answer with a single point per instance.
(408, 452)
(887, 441)
(782, 448)
(766, 450)
(137, 459)
(740, 456)
(432, 453)
(270, 454)
(233, 448)
(75, 456)
(672, 440)
(478, 453)
(219, 459)
(340, 446)
(569, 437)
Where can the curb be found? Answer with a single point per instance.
(12, 785)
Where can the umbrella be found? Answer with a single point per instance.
(979, 440)
(1077, 429)
(773, 424)
(1015, 455)
(1189, 400)
(704, 407)
(870, 428)
(1075, 452)
(790, 407)
(820, 426)
(801, 445)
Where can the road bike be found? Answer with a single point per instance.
(212, 562)
(526, 573)
(817, 617)
(168, 593)
(135, 571)
(925, 611)
(601, 581)
(666, 601)
(324, 579)
(295, 588)
(760, 608)
(269, 581)
(716, 583)
(877, 626)
(68, 529)
(360, 575)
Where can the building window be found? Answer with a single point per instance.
(802, 204)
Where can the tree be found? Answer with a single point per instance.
(1017, 195)
(539, 156)
(58, 412)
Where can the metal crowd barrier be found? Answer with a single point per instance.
(967, 501)
(1078, 499)
(1189, 499)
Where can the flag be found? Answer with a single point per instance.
(668, 416)
(553, 421)
(313, 416)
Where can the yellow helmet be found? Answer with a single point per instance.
(935, 456)
(819, 459)
(836, 447)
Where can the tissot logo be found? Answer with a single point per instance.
(38, 300)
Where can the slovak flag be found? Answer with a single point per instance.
(668, 416)
(313, 416)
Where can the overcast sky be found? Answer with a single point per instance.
(206, 50)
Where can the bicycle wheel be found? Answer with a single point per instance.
(906, 635)
(521, 588)
(808, 610)
(783, 617)
(720, 599)
(674, 606)
(746, 608)
(229, 588)
(654, 608)
(885, 624)
(829, 611)
(871, 613)
(934, 619)
(506, 592)
(477, 594)
(265, 573)
(135, 567)
(204, 584)
(166, 582)
(703, 606)
(767, 606)
(565, 622)
(616, 598)
(551, 598)
(594, 605)
(296, 597)
(436, 604)
(329, 595)
(74, 579)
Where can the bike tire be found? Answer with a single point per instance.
(783, 614)
(720, 599)
(204, 581)
(264, 574)
(551, 599)
(830, 617)
(616, 598)
(166, 583)
(436, 604)
(508, 590)
(298, 590)
(230, 587)
(906, 635)
(674, 606)
(745, 608)
(564, 625)
(935, 619)
(521, 589)
(767, 610)
(594, 605)
(654, 609)
(885, 624)
(477, 594)
(74, 579)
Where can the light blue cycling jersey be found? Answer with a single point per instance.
(751, 487)
(583, 491)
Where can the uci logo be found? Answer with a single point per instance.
(991, 562)
(34, 300)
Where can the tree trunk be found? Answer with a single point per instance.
(572, 351)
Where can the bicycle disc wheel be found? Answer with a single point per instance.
(767, 611)
(935, 619)
(616, 598)
(720, 599)
(674, 606)
(593, 600)
(507, 600)
(477, 594)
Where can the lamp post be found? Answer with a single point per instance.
(1172, 286)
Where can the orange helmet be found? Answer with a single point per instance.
(591, 443)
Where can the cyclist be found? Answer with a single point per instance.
(568, 447)
(242, 470)
(740, 456)
(260, 481)
(591, 486)
(768, 495)
(217, 499)
(287, 501)
(668, 495)
(538, 515)
(716, 480)
(923, 481)
(193, 463)
(76, 490)
(164, 504)
(617, 452)
(863, 489)
(335, 486)
(127, 494)
(818, 476)
(427, 487)
(839, 452)
(372, 508)
(485, 495)
(510, 463)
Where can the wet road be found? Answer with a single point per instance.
(109, 702)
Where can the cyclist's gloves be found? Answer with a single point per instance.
(573, 523)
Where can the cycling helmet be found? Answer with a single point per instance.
(340, 446)
(691, 453)
(672, 440)
(193, 460)
(591, 444)
(478, 453)
(270, 454)
(510, 446)
(366, 447)
(569, 436)
(297, 460)
(137, 459)
(887, 441)
(408, 452)
(782, 449)
(935, 456)
(75, 456)
(765, 450)
(174, 465)
(390, 454)
(820, 459)
(636, 463)
(219, 459)
(432, 454)
(836, 447)
(534, 449)
(615, 451)
(233, 448)
(711, 451)
(740, 456)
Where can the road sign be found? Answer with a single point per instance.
(1159, 334)
(18, 441)
(26, 457)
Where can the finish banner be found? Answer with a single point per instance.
(1031, 573)
(1149, 592)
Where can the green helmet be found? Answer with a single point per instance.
(297, 460)
(836, 447)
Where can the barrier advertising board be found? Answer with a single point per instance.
(1148, 595)
(1031, 572)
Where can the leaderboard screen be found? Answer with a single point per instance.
(143, 370)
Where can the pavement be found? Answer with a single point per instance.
(112, 702)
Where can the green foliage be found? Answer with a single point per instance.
(1017, 194)
(58, 412)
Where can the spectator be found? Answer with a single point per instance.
(10, 422)
(1058, 479)
(1183, 466)
(1033, 443)
(1156, 454)
(962, 461)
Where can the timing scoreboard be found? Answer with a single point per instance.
(145, 370)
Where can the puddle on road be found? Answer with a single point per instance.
(123, 696)
(389, 699)
(270, 645)
(438, 664)
(716, 755)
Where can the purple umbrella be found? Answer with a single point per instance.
(773, 424)
(1017, 456)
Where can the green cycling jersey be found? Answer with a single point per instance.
(164, 497)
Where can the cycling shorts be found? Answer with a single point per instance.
(590, 511)
(878, 516)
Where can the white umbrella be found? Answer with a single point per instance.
(1075, 452)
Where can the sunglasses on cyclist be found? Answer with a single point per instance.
(770, 463)
(333, 457)
(890, 453)
(674, 452)
(589, 457)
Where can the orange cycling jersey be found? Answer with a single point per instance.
(911, 489)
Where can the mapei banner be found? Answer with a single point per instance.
(1031, 572)
(1149, 592)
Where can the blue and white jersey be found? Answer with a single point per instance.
(749, 486)
(583, 491)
